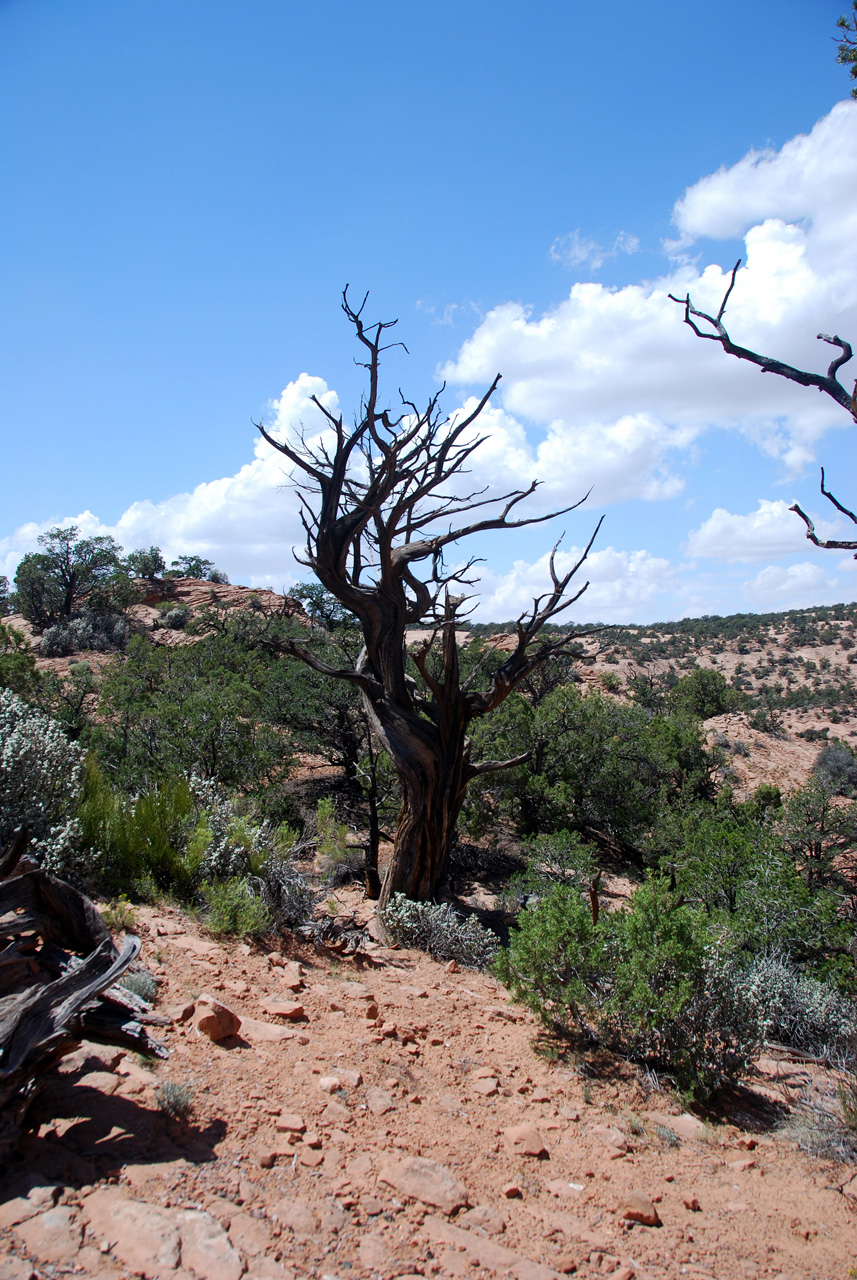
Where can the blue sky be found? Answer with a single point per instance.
(187, 187)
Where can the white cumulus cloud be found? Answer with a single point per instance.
(246, 523)
(607, 389)
(773, 529)
(793, 587)
(622, 585)
(607, 355)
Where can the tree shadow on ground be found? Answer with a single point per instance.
(80, 1134)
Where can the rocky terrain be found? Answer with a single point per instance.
(381, 1115)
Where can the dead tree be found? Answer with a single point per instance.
(826, 382)
(58, 967)
(376, 503)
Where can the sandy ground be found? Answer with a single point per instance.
(298, 1156)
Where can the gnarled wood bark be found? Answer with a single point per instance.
(58, 967)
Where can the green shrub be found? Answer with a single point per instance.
(648, 980)
(40, 785)
(138, 841)
(558, 961)
(176, 618)
(703, 693)
(798, 1010)
(559, 858)
(234, 908)
(437, 929)
(17, 664)
(675, 1000)
(332, 850)
(836, 767)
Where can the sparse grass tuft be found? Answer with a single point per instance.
(175, 1100)
(140, 984)
(119, 916)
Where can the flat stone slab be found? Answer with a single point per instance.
(426, 1181)
(684, 1126)
(485, 1253)
(153, 1241)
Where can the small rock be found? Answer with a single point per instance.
(103, 1081)
(290, 1122)
(310, 1158)
(329, 1084)
(569, 1113)
(379, 1101)
(525, 1139)
(684, 1126)
(16, 1210)
(624, 1273)
(181, 1012)
(747, 1144)
(90, 1057)
(540, 1095)
(275, 960)
(486, 1217)
(692, 1204)
(257, 1032)
(291, 1009)
(53, 1236)
(12, 1268)
(566, 1263)
(206, 1248)
(374, 1254)
(611, 1137)
(511, 1190)
(213, 1019)
(143, 1238)
(296, 1215)
(426, 1181)
(452, 967)
(336, 1113)
(741, 1166)
(486, 1087)
(351, 1079)
(637, 1207)
(355, 991)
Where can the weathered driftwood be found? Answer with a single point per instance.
(58, 967)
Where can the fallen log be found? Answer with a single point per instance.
(59, 966)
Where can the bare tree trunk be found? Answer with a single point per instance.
(377, 502)
(431, 802)
(431, 756)
(372, 878)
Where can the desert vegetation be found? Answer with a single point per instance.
(212, 767)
